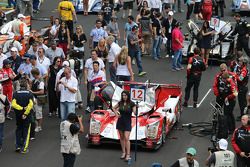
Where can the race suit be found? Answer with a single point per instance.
(7, 84)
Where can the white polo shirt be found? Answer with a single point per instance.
(114, 50)
(44, 62)
(66, 95)
(89, 66)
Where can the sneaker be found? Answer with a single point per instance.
(24, 152)
(182, 68)
(38, 129)
(50, 114)
(88, 109)
(195, 105)
(142, 73)
(8, 117)
(155, 58)
(173, 69)
(167, 56)
(18, 149)
(185, 104)
(32, 138)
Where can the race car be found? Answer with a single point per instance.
(240, 5)
(160, 111)
(222, 45)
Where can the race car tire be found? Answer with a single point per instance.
(163, 133)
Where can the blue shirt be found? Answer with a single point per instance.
(128, 28)
(41, 69)
(26, 68)
(98, 33)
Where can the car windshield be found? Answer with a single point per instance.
(107, 92)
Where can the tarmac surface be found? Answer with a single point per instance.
(45, 150)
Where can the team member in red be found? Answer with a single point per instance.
(207, 9)
(241, 142)
(242, 75)
(196, 65)
(7, 75)
(225, 90)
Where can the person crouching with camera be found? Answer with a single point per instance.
(241, 142)
(70, 146)
(222, 157)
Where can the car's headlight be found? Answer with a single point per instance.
(152, 130)
(95, 126)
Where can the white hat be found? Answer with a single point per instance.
(223, 144)
(65, 63)
(170, 13)
(20, 16)
(14, 49)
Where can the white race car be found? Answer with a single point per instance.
(156, 116)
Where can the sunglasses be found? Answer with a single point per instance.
(58, 61)
(222, 70)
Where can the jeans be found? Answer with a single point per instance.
(157, 47)
(112, 72)
(69, 159)
(66, 108)
(177, 59)
(1, 133)
(123, 78)
(137, 56)
(36, 4)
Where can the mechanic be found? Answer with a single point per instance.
(196, 65)
(241, 142)
(220, 4)
(222, 157)
(242, 28)
(70, 146)
(225, 90)
(66, 12)
(187, 161)
(18, 27)
(22, 104)
(234, 65)
(242, 76)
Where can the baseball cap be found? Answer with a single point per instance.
(135, 27)
(20, 16)
(170, 13)
(223, 144)
(26, 56)
(191, 151)
(14, 49)
(32, 57)
(6, 61)
(65, 63)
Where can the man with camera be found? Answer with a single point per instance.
(70, 146)
(222, 157)
(241, 142)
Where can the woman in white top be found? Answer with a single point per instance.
(123, 67)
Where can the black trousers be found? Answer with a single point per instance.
(169, 45)
(70, 27)
(242, 162)
(228, 112)
(221, 6)
(69, 159)
(89, 89)
(242, 98)
(190, 8)
(192, 82)
(242, 43)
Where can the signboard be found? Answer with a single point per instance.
(215, 22)
(137, 93)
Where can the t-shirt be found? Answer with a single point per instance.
(97, 77)
(133, 47)
(177, 34)
(98, 33)
(41, 69)
(128, 27)
(66, 95)
(66, 8)
(107, 11)
(157, 24)
(145, 24)
(51, 54)
(25, 68)
(113, 28)
(89, 66)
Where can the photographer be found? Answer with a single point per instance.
(241, 142)
(222, 157)
(70, 146)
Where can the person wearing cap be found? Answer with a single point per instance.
(242, 28)
(25, 68)
(4, 107)
(113, 28)
(168, 24)
(187, 161)
(222, 157)
(108, 11)
(69, 131)
(157, 36)
(177, 45)
(54, 51)
(96, 34)
(22, 104)
(2, 56)
(241, 142)
(67, 86)
(66, 11)
(242, 76)
(18, 26)
(134, 49)
(15, 59)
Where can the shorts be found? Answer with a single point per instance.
(128, 5)
(39, 111)
(197, 8)
(146, 36)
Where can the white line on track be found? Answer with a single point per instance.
(198, 105)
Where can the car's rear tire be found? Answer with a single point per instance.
(163, 133)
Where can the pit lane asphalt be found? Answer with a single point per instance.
(45, 150)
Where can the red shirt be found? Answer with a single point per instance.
(177, 34)
(5, 75)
